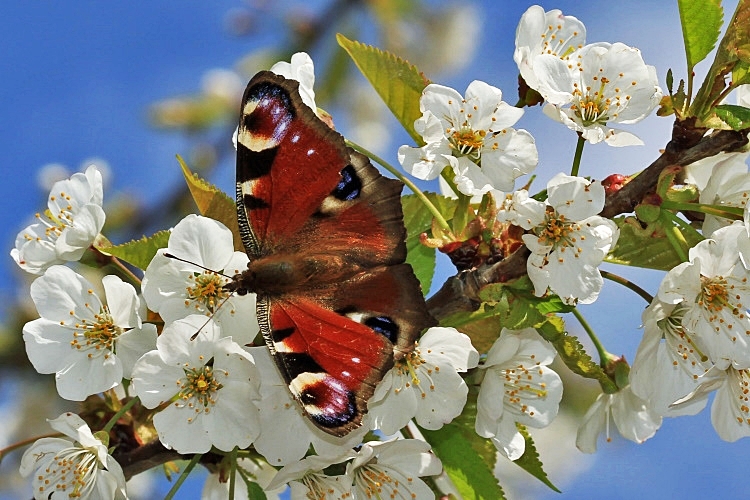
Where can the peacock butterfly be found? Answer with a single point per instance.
(325, 235)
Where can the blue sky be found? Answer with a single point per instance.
(77, 80)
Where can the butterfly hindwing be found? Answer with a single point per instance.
(325, 235)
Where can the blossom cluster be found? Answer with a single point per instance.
(697, 335)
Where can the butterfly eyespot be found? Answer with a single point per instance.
(384, 326)
(350, 185)
(325, 398)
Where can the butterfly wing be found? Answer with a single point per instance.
(334, 346)
(297, 182)
(306, 200)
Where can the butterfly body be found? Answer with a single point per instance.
(325, 235)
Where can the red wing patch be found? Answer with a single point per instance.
(330, 361)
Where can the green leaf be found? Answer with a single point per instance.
(732, 59)
(398, 83)
(255, 492)
(701, 23)
(737, 117)
(418, 220)
(213, 202)
(646, 247)
(467, 458)
(137, 252)
(530, 461)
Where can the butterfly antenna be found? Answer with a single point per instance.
(223, 301)
(171, 256)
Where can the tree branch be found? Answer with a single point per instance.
(625, 200)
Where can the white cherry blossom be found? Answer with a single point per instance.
(566, 238)
(722, 180)
(89, 346)
(426, 384)
(75, 466)
(176, 289)
(210, 383)
(730, 411)
(518, 386)
(600, 84)
(72, 221)
(713, 287)
(307, 479)
(474, 136)
(632, 416)
(392, 469)
(668, 364)
(541, 32)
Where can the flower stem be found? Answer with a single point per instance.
(578, 154)
(427, 203)
(232, 471)
(732, 213)
(603, 354)
(185, 473)
(122, 411)
(627, 284)
(675, 237)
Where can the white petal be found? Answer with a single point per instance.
(508, 440)
(61, 291)
(75, 239)
(122, 301)
(34, 456)
(154, 381)
(729, 414)
(453, 347)
(593, 424)
(424, 163)
(634, 419)
(203, 241)
(34, 251)
(133, 344)
(177, 432)
(575, 197)
(443, 102)
(490, 403)
(620, 138)
(444, 398)
(48, 345)
(393, 412)
(88, 376)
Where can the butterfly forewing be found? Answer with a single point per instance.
(325, 234)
